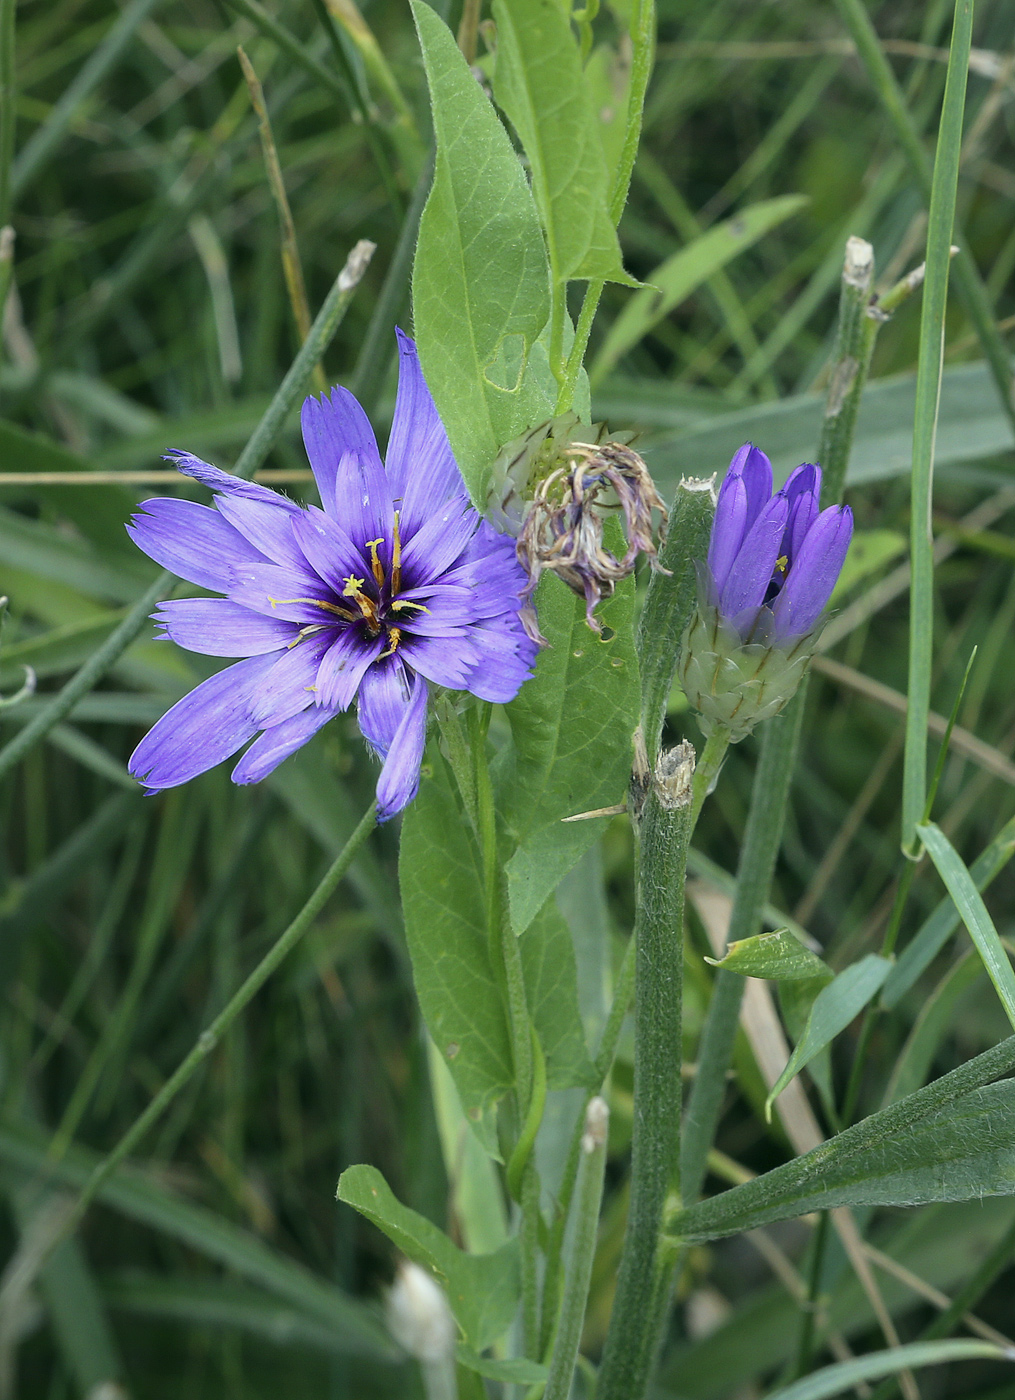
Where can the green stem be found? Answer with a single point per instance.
(779, 741)
(8, 115)
(805, 1345)
(261, 442)
(707, 769)
(580, 1252)
(590, 305)
(210, 1037)
(642, 1284)
(854, 347)
(941, 219)
(967, 277)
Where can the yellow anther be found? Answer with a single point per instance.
(396, 558)
(782, 563)
(406, 603)
(394, 637)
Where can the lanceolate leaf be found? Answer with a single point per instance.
(551, 981)
(482, 1289)
(684, 273)
(572, 726)
(833, 1009)
(481, 277)
(779, 956)
(539, 83)
(445, 925)
(963, 1152)
(969, 902)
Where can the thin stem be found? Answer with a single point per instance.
(590, 304)
(855, 344)
(643, 1279)
(210, 1037)
(941, 219)
(8, 115)
(769, 796)
(709, 765)
(260, 444)
(580, 1252)
(809, 1307)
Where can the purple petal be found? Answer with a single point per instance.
(328, 549)
(756, 471)
(268, 527)
(279, 592)
(277, 743)
(192, 541)
(392, 716)
(202, 729)
(365, 507)
(290, 685)
(219, 627)
(809, 584)
(444, 660)
(225, 483)
(439, 543)
(748, 579)
(803, 492)
(344, 665)
(335, 426)
(728, 527)
(505, 662)
(419, 460)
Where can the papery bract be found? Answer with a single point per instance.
(396, 582)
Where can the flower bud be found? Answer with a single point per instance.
(418, 1315)
(772, 564)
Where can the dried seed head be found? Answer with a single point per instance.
(563, 529)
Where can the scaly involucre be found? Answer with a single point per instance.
(396, 582)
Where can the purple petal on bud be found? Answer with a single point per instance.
(803, 491)
(814, 573)
(728, 527)
(749, 578)
(756, 470)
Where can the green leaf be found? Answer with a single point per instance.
(969, 902)
(481, 277)
(445, 925)
(608, 79)
(685, 271)
(833, 1009)
(551, 985)
(935, 1016)
(483, 1290)
(539, 83)
(779, 956)
(963, 1152)
(572, 726)
(844, 1375)
(517, 1371)
(354, 1327)
(934, 934)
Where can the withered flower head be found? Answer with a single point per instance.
(563, 529)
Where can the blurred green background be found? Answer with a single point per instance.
(148, 310)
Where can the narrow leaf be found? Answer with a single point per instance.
(969, 902)
(482, 1289)
(685, 271)
(833, 1009)
(844, 1375)
(517, 1371)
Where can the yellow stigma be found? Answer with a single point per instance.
(316, 603)
(368, 608)
(375, 563)
(782, 563)
(407, 603)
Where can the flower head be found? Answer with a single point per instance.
(774, 560)
(772, 564)
(396, 582)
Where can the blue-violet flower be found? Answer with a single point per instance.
(772, 564)
(396, 582)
